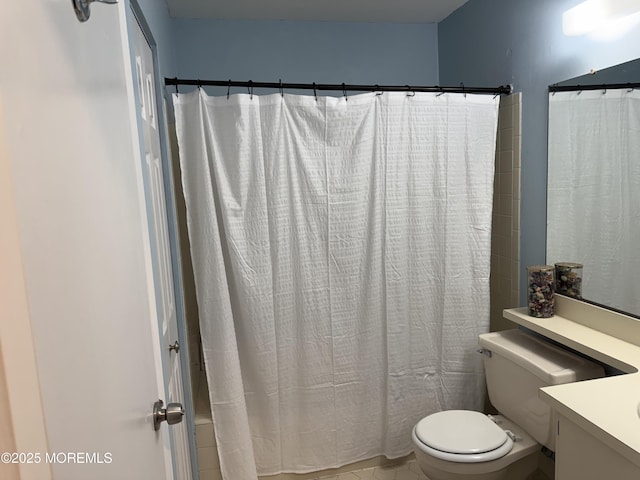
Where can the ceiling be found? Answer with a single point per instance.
(383, 11)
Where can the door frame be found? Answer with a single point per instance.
(136, 15)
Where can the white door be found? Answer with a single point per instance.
(76, 171)
(163, 270)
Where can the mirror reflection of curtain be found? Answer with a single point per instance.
(594, 191)
(341, 252)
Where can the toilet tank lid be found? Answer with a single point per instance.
(550, 363)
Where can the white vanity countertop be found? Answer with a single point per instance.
(607, 408)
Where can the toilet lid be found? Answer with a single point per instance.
(461, 432)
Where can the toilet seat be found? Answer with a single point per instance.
(462, 436)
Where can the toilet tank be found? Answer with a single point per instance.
(518, 366)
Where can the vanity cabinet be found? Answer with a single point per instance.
(598, 431)
(581, 456)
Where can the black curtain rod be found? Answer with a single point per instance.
(602, 86)
(501, 90)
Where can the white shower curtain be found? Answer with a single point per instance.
(594, 191)
(341, 256)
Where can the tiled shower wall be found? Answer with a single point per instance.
(505, 237)
(188, 282)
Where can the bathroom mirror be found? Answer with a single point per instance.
(593, 184)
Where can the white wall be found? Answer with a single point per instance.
(22, 421)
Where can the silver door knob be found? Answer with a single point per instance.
(172, 414)
(175, 347)
(81, 7)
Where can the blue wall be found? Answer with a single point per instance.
(156, 13)
(628, 72)
(306, 52)
(490, 42)
(484, 43)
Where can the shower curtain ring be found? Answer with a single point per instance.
(281, 89)
(377, 90)
(344, 92)
(315, 92)
(441, 92)
(176, 80)
(228, 89)
(413, 93)
(250, 90)
(463, 92)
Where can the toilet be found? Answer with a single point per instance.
(469, 445)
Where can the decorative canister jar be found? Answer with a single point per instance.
(569, 279)
(540, 291)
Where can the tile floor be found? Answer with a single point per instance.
(406, 471)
